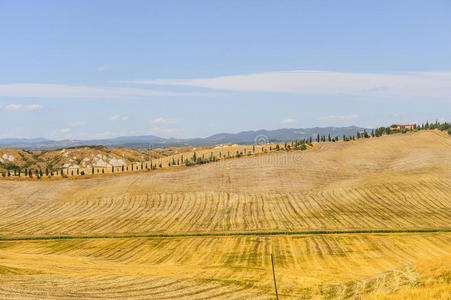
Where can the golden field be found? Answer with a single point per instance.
(330, 266)
(397, 182)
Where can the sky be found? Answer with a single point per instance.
(100, 69)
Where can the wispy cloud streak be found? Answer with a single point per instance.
(401, 84)
(339, 117)
(23, 107)
(61, 91)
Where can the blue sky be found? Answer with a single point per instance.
(95, 69)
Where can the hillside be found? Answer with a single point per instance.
(399, 183)
(83, 157)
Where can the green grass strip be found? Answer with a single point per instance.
(225, 234)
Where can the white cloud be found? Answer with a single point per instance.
(61, 91)
(119, 118)
(162, 120)
(338, 117)
(77, 124)
(62, 133)
(23, 107)
(288, 121)
(401, 84)
(104, 135)
(102, 68)
(159, 130)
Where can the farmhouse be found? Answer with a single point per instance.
(410, 126)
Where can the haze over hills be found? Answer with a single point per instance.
(140, 142)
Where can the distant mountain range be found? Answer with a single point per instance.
(142, 142)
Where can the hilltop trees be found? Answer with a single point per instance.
(33, 169)
(379, 131)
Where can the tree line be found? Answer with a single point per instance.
(196, 159)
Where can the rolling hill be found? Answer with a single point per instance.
(367, 218)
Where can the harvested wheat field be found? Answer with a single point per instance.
(398, 183)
